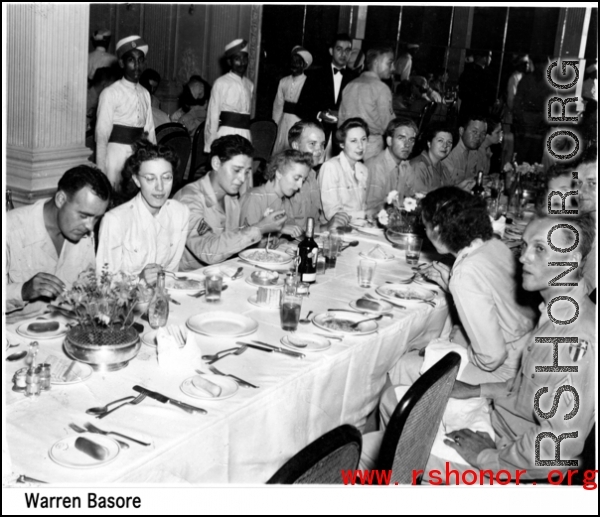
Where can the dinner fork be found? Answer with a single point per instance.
(201, 293)
(133, 402)
(357, 323)
(77, 429)
(237, 351)
(178, 277)
(241, 382)
(93, 429)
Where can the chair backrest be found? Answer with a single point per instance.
(165, 129)
(322, 461)
(199, 157)
(182, 145)
(264, 133)
(426, 114)
(410, 433)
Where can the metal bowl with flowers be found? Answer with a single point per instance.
(401, 217)
(103, 304)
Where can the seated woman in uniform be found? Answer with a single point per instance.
(483, 284)
(285, 174)
(343, 179)
(429, 171)
(147, 232)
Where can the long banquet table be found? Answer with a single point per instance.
(243, 439)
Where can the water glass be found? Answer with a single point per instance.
(334, 242)
(413, 249)
(366, 270)
(290, 284)
(213, 285)
(321, 263)
(290, 312)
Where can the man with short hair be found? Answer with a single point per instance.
(586, 184)
(322, 92)
(50, 242)
(228, 111)
(462, 162)
(476, 90)
(390, 169)
(99, 57)
(309, 137)
(215, 230)
(124, 111)
(369, 98)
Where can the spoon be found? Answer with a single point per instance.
(306, 319)
(351, 244)
(17, 356)
(103, 409)
(356, 324)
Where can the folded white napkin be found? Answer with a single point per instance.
(377, 252)
(171, 357)
(438, 348)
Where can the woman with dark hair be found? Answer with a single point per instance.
(429, 170)
(285, 174)
(288, 93)
(343, 179)
(216, 228)
(482, 283)
(148, 232)
(192, 104)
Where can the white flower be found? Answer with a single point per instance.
(507, 167)
(524, 168)
(391, 196)
(410, 204)
(383, 217)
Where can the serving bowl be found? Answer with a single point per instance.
(397, 238)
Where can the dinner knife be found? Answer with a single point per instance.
(280, 350)
(256, 347)
(162, 398)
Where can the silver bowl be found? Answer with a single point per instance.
(105, 350)
(398, 238)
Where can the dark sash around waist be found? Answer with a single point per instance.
(290, 107)
(237, 120)
(125, 134)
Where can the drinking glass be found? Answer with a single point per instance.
(413, 250)
(366, 269)
(214, 285)
(333, 248)
(290, 312)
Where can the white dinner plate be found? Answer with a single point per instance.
(64, 452)
(228, 387)
(312, 343)
(322, 321)
(194, 284)
(406, 293)
(383, 306)
(59, 332)
(258, 257)
(222, 324)
(361, 226)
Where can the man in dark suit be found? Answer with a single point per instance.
(322, 92)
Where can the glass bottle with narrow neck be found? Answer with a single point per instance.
(158, 309)
(308, 252)
(478, 189)
(9, 201)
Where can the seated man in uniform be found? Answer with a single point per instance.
(50, 242)
(215, 230)
(463, 160)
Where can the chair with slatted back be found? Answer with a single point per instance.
(199, 157)
(264, 133)
(182, 145)
(166, 129)
(410, 433)
(322, 461)
(426, 115)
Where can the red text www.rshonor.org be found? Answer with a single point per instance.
(467, 477)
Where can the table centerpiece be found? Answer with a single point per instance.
(401, 218)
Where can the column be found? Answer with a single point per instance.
(47, 47)
(462, 27)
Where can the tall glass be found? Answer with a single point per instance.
(213, 284)
(158, 309)
(333, 248)
(413, 249)
(290, 312)
(366, 270)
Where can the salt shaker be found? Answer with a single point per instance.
(20, 380)
(45, 376)
(33, 386)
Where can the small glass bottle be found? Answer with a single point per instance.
(478, 189)
(158, 309)
(33, 386)
(45, 376)
(9, 201)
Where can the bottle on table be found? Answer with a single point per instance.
(478, 189)
(515, 200)
(158, 309)
(9, 201)
(308, 252)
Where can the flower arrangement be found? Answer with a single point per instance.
(106, 300)
(525, 168)
(401, 215)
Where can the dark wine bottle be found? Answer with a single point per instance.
(478, 189)
(308, 252)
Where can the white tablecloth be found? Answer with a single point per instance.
(243, 439)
